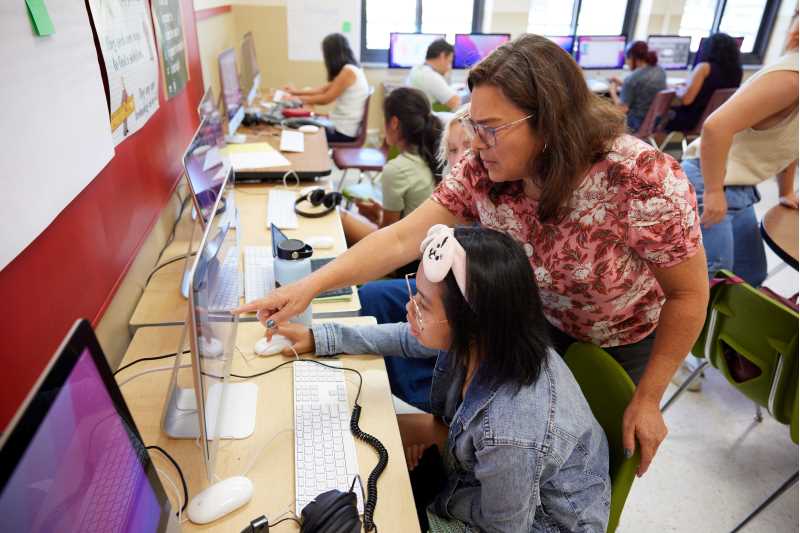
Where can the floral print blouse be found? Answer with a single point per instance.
(634, 209)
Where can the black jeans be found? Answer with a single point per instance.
(632, 357)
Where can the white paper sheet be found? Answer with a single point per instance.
(256, 160)
(309, 21)
(55, 136)
(125, 32)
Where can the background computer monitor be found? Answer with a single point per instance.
(207, 106)
(408, 50)
(205, 167)
(72, 435)
(601, 51)
(672, 50)
(251, 73)
(231, 91)
(566, 42)
(472, 47)
(698, 56)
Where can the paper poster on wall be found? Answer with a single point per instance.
(171, 45)
(55, 135)
(309, 21)
(124, 30)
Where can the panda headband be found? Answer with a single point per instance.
(441, 253)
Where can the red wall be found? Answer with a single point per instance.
(73, 268)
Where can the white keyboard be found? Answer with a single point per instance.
(280, 209)
(259, 275)
(227, 288)
(292, 141)
(324, 450)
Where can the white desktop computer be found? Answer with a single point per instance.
(600, 52)
(407, 50)
(672, 50)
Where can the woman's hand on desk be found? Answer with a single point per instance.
(300, 336)
(282, 304)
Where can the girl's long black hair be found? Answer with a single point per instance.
(503, 319)
(420, 128)
(337, 53)
(723, 50)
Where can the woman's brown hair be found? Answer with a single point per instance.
(577, 126)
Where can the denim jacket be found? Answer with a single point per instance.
(527, 460)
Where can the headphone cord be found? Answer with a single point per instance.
(372, 481)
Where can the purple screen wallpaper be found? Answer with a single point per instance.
(81, 471)
(470, 49)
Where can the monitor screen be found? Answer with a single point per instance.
(206, 107)
(229, 80)
(250, 70)
(672, 50)
(698, 57)
(408, 50)
(566, 42)
(84, 468)
(204, 165)
(472, 47)
(601, 51)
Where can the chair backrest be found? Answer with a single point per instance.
(719, 97)
(752, 340)
(608, 389)
(361, 134)
(655, 120)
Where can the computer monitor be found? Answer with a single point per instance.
(598, 52)
(408, 50)
(672, 50)
(472, 47)
(566, 42)
(231, 91)
(207, 106)
(698, 56)
(251, 73)
(204, 166)
(73, 459)
(214, 408)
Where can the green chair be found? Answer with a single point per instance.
(608, 389)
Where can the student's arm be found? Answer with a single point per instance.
(687, 93)
(309, 92)
(616, 98)
(756, 102)
(332, 339)
(454, 103)
(786, 193)
(333, 90)
(437, 86)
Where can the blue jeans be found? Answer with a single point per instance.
(735, 243)
(410, 379)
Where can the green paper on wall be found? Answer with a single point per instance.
(346, 26)
(40, 18)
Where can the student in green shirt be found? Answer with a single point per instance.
(409, 178)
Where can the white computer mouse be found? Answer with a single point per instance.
(209, 346)
(220, 499)
(273, 347)
(308, 128)
(320, 242)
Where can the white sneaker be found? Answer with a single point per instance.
(683, 373)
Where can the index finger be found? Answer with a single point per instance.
(251, 307)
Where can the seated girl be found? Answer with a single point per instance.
(454, 140)
(636, 93)
(347, 89)
(521, 450)
(409, 178)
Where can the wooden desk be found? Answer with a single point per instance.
(780, 232)
(312, 162)
(270, 450)
(162, 303)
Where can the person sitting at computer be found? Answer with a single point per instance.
(720, 67)
(455, 141)
(408, 179)
(430, 76)
(478, 309)
(347, 89)
(636, 93)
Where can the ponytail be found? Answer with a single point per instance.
(418, 126)
(638, 50)
(652, 58)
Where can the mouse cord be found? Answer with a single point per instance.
(153, 358)
(262, 525)
(180, 473)
(291, 173)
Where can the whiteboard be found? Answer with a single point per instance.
(309, 21)
(55, 135)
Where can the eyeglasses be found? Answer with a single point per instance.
(417, 312)
(487, 134)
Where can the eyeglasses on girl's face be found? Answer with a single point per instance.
(415, 305)
(488, 134)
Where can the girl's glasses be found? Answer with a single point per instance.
(417, 312)
(487, 134)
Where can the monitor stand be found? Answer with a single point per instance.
(235, 404)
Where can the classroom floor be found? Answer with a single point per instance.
(717, 463)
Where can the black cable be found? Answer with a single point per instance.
(153, 358)
(180, 473)
(162, 265)
(372, 481)
(285, 519)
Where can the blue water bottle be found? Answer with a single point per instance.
(293, 263)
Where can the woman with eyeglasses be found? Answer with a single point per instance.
(609, 225)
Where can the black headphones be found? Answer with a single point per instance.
(318, 197)
(331, 512)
